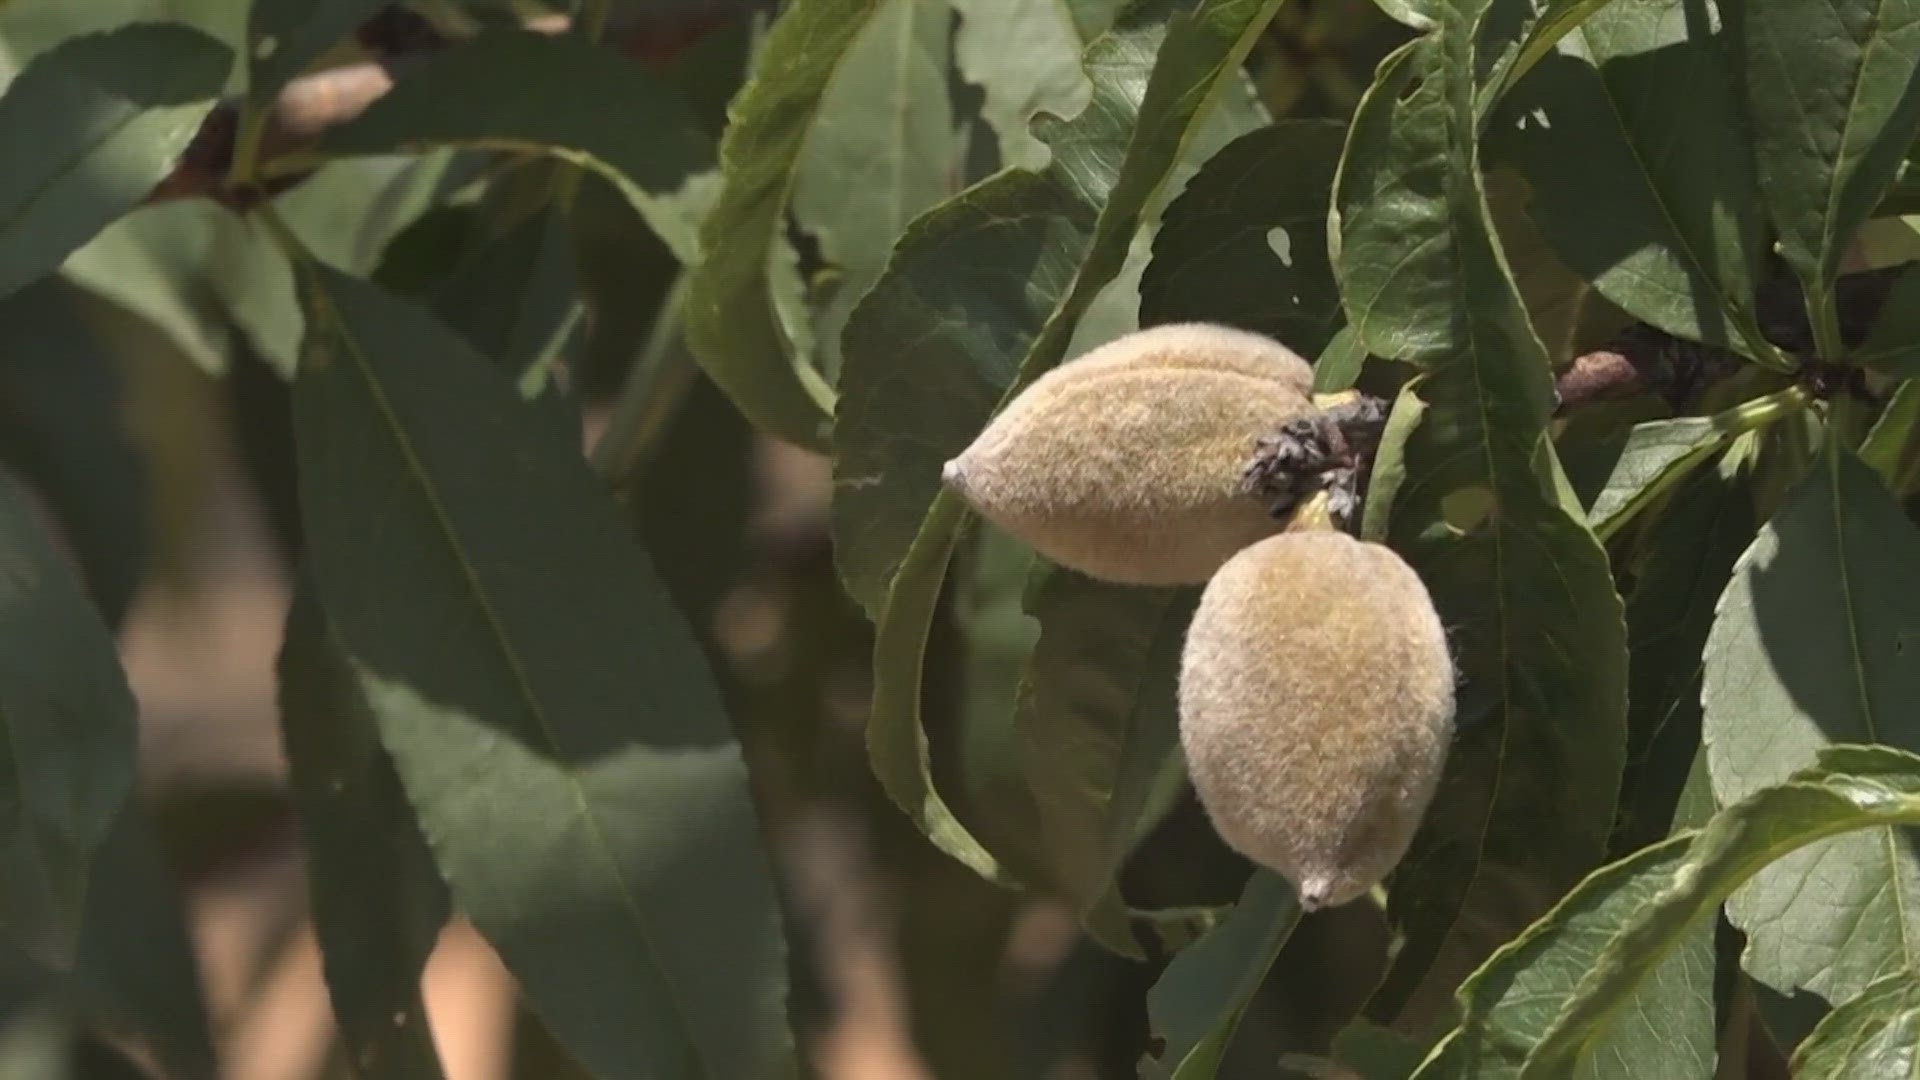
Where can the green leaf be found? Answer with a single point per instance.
(1892, 347)
(1852, 788)
(549, 715)
(731, 322)
(1668, 1028)
(1482, 514)
(63, 433)
(1684, 561)
(525, 91)
(1892, 447)
(1197, 1003)
(1025, 55)
(513, 293)
(1391, 249)
(135, 972)
(881, 152)
(150, 262)
(991, 286)
(1245, 244)
(1340, 363)
(1806, 651)
(1631, 140)
(90, 127)
(1833, 109)
(1100, 731)
(67, 735)
(285, 36)
(1658, 455)
(1872, 1035)
(378, 902)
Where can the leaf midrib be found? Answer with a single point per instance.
(444, 519)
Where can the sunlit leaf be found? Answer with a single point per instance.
(1809, 648)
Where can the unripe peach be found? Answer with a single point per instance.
(1316, 709)
(1129, 463)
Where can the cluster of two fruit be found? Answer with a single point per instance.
(1316, 689)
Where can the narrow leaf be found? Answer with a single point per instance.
(1637, 113)
(549, 715)
(67, 735)
(513, 294)
(1893, 345)
(1833, 109)
(521, 90)
(1807, 650)
(89, 128)
(378, 902)
(731, 322)
(1892, 447)
(284, 36)
(1099, 727)
(1197, 1003)
(1873, 1035)
(63, 432)
(1853, 787)
(882, 151)
(1245, 244)
(1523, 585)
(1685, 559)
(1658, 455)
(1048, 245)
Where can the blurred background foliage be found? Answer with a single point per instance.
(143, 400)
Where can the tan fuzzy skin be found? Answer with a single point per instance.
(1125, 464)
(1316, 709)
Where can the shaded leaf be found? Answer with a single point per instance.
(991, 286)
(1893, 345)
(1682, 566)
(1834, 109)
(1099, 726)
(1806, 652)
(378, 902)
(732, 325)
(1636, 112)
(62, 431)
(1482, 512)
(285, 36)
(1197, 1003)
(513, 293)
(1874, 1034)
(90, 127)
(1852, 787)
(67, 735)
(549, 716)
(1245, 243)
(1025, 54)
(1892, 447)
(521, 90)
(1658, 455)
(882, 151)
(136, 971)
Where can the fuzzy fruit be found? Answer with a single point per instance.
(1316, 708)
(1127, 464)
